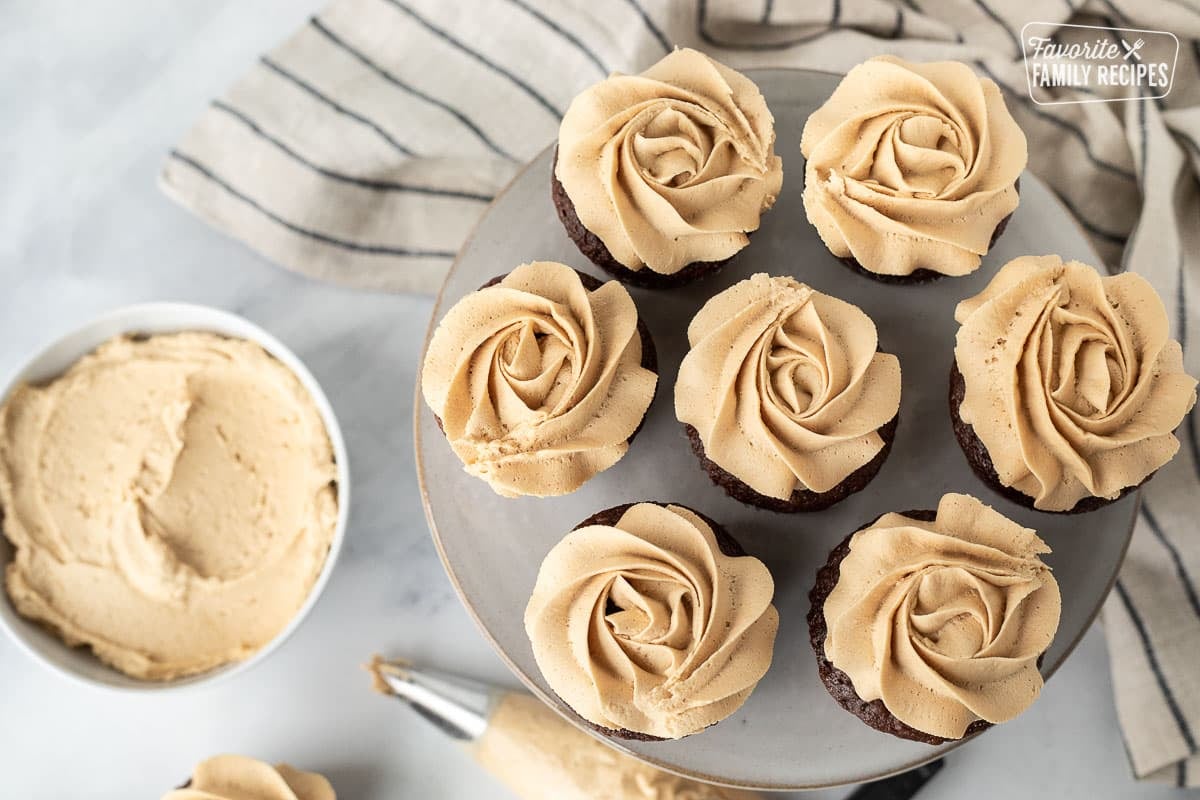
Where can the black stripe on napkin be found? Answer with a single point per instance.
(985, 8)
(835, 17)
(362, 58)
(580, 45)
(1116, 12)
(313, 91)
(1141, 177)
(366, 183)
(1186, 580)
(343, 244)
(655, 31)
(1092, 228)
(1152, 659)
(477, 56)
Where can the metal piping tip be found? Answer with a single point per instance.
(459, 706)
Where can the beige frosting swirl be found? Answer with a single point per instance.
(785, 386)
(944, 621)
(241, 778)
(647, 626)
(911, 166)
(1072, 381)
(537, 381)
(672, 166)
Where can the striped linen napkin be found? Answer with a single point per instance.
(364, 148)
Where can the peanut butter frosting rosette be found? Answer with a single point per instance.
(241, 778)
(670, 167)
(911, 167)
(1070, 381)
(785, 388)
(646, 626)
(943, 621)
(537, 381)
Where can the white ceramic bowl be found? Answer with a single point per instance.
(79, 663)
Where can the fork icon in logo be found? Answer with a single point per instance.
(1132, 51)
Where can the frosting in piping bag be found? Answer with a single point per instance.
(537, 381)
(911, 166)
(672, 166)
(647, 626)
(1072, 381)
(785, 385)
(944, 621)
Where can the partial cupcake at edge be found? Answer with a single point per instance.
(659, 178)
(540, 379)
(651, 622)
(231, 777)
(930, 625)
(785, 396)
(912, 169)
(1066, 388)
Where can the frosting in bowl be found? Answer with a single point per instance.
(537, 381)
(672, 166)
(646, 626)
(1072, 381)
(171, 500)
(241, 778)
(944, 621)
(785, 385)
(911, 166)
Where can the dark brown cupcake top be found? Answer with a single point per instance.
(673, 166)
(646, 625)
(911, 166)
(943, 621)
(785, 386)
(1071, 380)
(538, 380)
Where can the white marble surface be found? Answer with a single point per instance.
(91, 96)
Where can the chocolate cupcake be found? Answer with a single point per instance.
(930, 626)
(912, 169)
(1066, 388)
(784, 395)
(687, 630)
(236, 777)
(540, 380)
(660, 177)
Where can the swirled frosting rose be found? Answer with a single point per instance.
(241, 778)
(538, 381)
(672, 166)
(911, 166)
(646, 626)
(785, 385)
(944, 621)
(1073, 383)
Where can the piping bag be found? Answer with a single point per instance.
(528, 747)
